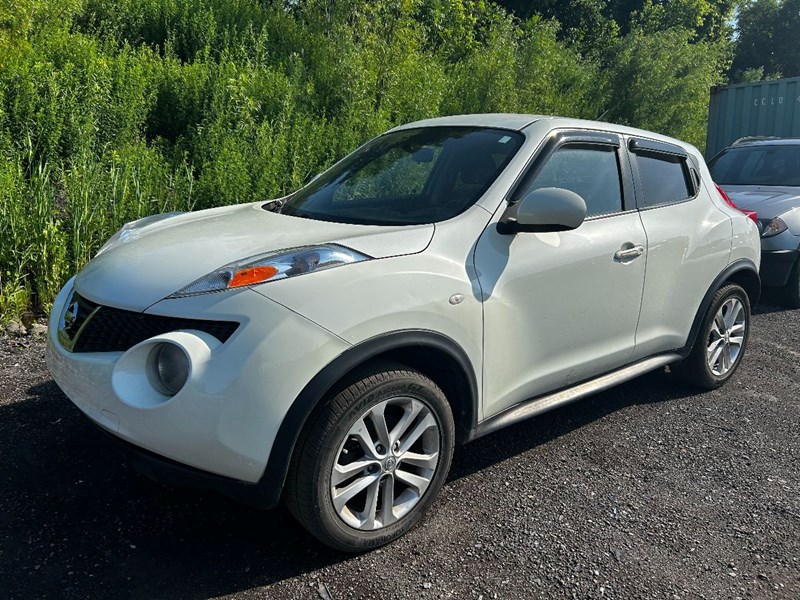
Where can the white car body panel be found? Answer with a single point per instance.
(745, 237)
(558, 309)
(162, 258)
(681, 263)
(742, 248)
(401, 293)
(224, 419)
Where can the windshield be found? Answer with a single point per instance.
(776, 165)
(408, 177)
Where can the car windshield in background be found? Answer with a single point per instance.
(777, 165)
(408, 177)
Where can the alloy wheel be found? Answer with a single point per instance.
(726, 337)
(385, 463)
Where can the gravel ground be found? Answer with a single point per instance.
(650, 490)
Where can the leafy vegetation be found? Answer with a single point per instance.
(114, 109)
(767, 40)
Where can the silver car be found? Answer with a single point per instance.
(763, 175)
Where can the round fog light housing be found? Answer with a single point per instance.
(154, 371)
(167, 368)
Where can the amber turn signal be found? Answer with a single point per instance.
(252, 275)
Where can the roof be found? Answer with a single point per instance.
(513, 121)
(765, 141)
(518, 122)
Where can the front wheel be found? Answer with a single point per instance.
(373, 460)
(721, 341)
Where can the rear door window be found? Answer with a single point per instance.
(664, 178)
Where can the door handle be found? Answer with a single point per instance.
(629, 253)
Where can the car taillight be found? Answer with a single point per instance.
(750, 213)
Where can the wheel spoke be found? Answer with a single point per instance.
(733, 313)
(378, 418)
(737, 340)
(359, 485)
(716, 357)
(371, 506)
(425, 423)
(364, 438)
(720, 323)
(712, 347)
(726, 357)
(425, 461)
(417, 482)
(410, 413)
(344, 472)
(736, 328)
(387, 494)
(715, 329)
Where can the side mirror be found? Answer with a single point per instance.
(543, 210)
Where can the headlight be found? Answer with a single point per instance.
(272, 266)
(774, 227)
(126, 229)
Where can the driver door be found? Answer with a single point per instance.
(563, 307)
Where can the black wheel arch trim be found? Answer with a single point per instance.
(283, 446)
(737, 266)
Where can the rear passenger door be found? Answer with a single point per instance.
(689, 242)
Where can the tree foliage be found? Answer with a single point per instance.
(114, 109)
(667, 71)
(767, 40)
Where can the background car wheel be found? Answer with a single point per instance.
(791, 291)
(373, 459)
(721, 341)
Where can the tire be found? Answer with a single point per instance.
(339, 435)
(791, 291)
(702, 369)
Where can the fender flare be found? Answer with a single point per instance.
(737, 266)
(272, 480)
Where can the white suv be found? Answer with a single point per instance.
(446, 279)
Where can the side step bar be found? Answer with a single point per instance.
(536, 406)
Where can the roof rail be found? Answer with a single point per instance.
(754, 138)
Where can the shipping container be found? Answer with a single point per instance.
(763, 108)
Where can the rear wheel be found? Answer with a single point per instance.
(373, 460)
(720, 344)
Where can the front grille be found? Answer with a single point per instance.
(76, 312)
(109, 329)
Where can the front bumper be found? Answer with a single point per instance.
(172, 473)
(223, 422)
(776, 265)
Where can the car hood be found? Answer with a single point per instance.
(154, 261)
(768, 202)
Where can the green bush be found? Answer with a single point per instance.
(114, 109)
(664, 82)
